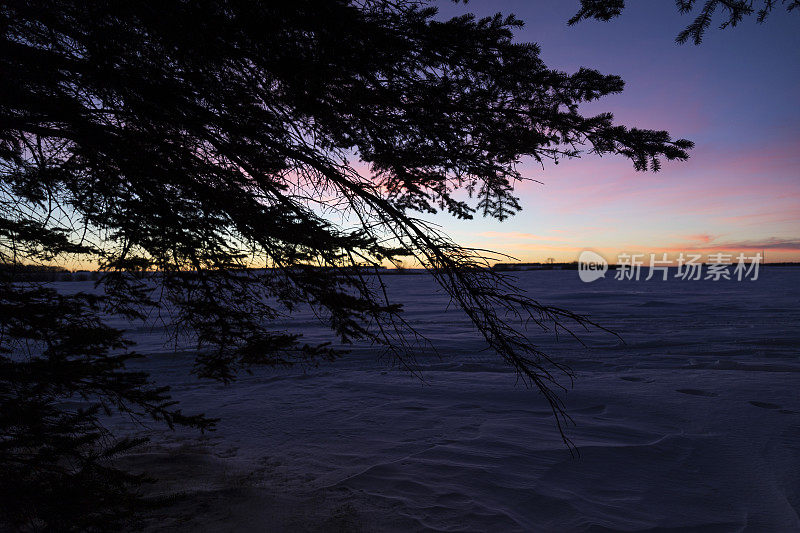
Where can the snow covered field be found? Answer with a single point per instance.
(692, 423)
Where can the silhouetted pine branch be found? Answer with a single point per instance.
(732, 13)
(177, 144)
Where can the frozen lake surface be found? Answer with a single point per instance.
(693, 423)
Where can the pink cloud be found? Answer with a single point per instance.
(771, 243)
(517, 235)
(704, 238)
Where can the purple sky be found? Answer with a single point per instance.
(735, 96)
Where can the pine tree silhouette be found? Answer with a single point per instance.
(179, 144)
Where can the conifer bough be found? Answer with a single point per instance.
(194, 139)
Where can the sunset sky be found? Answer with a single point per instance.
(736, 96)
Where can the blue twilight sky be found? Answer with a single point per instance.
(736, 96)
